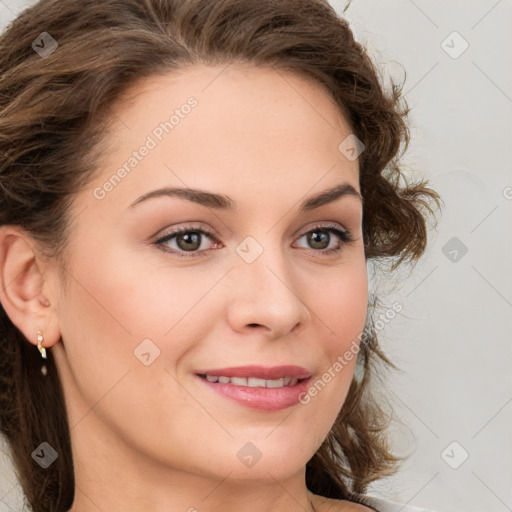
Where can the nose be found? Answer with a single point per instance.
(265, 295)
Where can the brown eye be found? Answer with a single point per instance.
(320, 237)
(186, 240)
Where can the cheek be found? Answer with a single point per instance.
(340, 315)
(115, 304)
(133, 294)
(112, 309)
(342, 307)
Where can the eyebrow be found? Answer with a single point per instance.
(223, 202)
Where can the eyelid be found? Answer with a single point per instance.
(342, 233)
(185, 229)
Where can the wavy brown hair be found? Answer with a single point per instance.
(54, 114)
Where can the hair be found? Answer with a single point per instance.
(55, 112)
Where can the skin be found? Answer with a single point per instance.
(156, 437)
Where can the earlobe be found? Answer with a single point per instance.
(21, 287)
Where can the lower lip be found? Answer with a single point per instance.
(264, 399)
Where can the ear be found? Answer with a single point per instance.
(25, 289)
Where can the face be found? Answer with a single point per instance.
(253, 279)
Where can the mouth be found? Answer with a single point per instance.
(252, 382)
(258, 387)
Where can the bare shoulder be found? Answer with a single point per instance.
(323, 504)
(354, 507)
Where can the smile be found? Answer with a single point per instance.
(266, 388)
(252, 382)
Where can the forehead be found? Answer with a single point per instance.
(236, 127)
(235, 99)
(227, 83)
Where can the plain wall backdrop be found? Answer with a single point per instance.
(452, 339)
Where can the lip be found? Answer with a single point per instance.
(260, 372)
(263, 399)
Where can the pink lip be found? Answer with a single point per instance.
(264, 399)
(260, 372)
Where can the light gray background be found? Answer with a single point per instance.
(453, 338)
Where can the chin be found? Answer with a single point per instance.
(256, 461)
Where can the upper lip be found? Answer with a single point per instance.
(260, 372)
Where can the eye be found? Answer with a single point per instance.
(320, 237)
(188, 239)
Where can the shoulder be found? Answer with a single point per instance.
(323, 504)
(369, 504)
(348, 506)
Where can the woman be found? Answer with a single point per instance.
(191, 194)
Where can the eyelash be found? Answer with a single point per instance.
(344, 236)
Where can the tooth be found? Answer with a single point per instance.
(275, 383)
(253, 382)
(239, 381)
